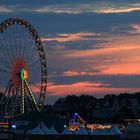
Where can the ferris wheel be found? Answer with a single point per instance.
(23, 68)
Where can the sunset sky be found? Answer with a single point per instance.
(92, 46)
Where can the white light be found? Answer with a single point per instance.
(65, 126)
(14, 126)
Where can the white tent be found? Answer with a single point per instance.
(43, 127)
(133, 131)
(67, 132)
(115, 130)
(99, 132)
(81, 131)
(52, 131)
(36, 131)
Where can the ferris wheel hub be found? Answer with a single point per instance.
(24, 74)
(19, 72)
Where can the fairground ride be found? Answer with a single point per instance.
(76, 122)
(23, 68)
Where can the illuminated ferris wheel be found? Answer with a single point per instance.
(23, 69)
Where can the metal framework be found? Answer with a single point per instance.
(21, 54)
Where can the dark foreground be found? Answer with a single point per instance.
(62, 137)
(66, 137)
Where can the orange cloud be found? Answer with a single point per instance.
(136, 28)
(101, 51)
(73, 37)
(70, 73)
(118, 10)
(85, 88)
(4, 9)
(79, 87)
(35, 87)
(78, 73)
(124, 68)
(120, 56)
(92, 7)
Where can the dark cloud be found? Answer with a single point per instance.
(84, 22)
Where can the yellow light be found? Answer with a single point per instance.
(25, 74)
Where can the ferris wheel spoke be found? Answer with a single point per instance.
(33, 63)
(6, 46)
(11, 61)
(17, 102)
(5, 92)
(23, 95)
(31, 94)
(31, 55)
(5, 71)
(28, 103)
(12, 102)
(8, 101)
(4, 75)
(24, 49)
(14, 40)
(23, 44)
(10, 58)
(13, 57)
(20, 49)
(16, 43)
(5, 55)
(3, 62)
(11, 51)
(31, 104)
(2, 54)
(4, 78)
(15, 96)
